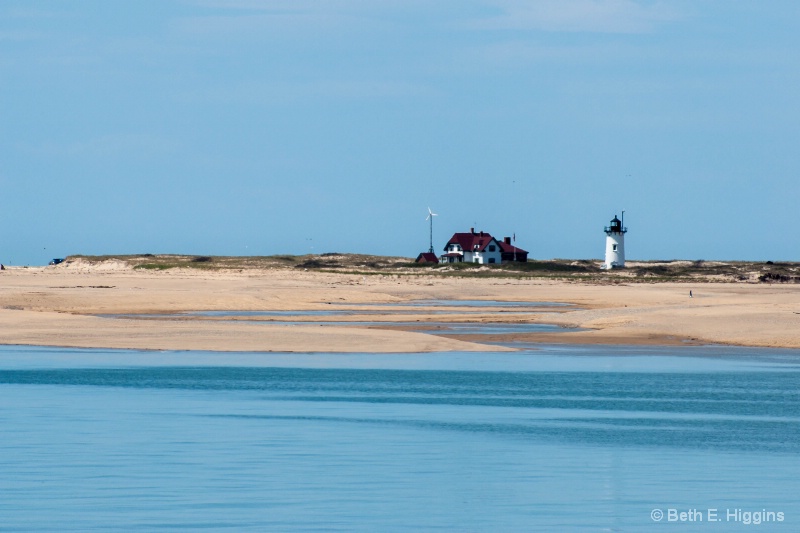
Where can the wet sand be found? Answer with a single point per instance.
(60, 306)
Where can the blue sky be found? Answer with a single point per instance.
(258, 127)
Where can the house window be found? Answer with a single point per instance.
(491, 248)
(614, 247)
(491, 260)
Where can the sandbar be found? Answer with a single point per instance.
(81, 306)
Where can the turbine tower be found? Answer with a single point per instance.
(430, 216)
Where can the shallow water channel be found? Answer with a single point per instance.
(560, 439)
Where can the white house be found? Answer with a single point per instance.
(478, 247)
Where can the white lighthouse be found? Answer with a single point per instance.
(615, 243)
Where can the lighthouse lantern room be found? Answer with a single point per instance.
(615, 243)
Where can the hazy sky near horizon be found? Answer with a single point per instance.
(258, 127)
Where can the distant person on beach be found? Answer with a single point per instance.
(690, 294)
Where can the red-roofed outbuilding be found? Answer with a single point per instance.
(509, 252)
(427, 257)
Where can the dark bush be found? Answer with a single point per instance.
(770, 277)
(316, 263)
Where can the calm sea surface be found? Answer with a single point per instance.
(559, 439)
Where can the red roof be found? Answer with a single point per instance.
(511, 249)
(427, 257)
(471, 242)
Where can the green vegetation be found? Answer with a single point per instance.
(154, 266)
(198, 262)
(563, 269)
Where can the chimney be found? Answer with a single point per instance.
(481, 233)
(507, 240)
(472, 230)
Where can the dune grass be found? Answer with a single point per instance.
(582, 270)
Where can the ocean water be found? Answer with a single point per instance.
(556, 439)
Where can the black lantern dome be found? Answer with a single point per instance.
(615, 226)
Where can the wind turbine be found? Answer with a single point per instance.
(430, 216)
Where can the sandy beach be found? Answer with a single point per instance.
(72, 305)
